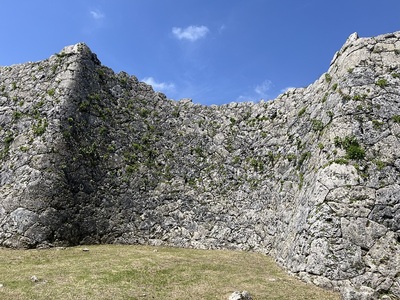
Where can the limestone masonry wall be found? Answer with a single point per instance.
(311, 178)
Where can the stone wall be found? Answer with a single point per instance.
(311, 178)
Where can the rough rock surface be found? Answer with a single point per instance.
(240, 296)
(311, 178)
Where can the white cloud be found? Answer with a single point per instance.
(221, 29)
(260, 92)
(263, 88)
(191, 33)
(159, 86)
(97, 15)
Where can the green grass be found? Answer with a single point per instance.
(144, 272)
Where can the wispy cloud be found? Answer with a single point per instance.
(96, 20)
(221, 29)
(259, 92)
(159, 86)
(97, 14)
(191, 33)
(263, 88)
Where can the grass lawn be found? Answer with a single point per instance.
(144, 272)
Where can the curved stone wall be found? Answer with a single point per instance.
(311, 178)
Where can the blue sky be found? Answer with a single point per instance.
(213, 51)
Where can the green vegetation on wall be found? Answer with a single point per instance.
(351, 146)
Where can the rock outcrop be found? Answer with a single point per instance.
(311, 178)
